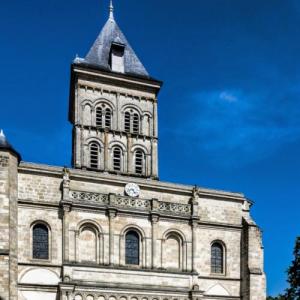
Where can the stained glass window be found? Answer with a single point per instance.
(40, 242)
(132, 251)
(217, 258)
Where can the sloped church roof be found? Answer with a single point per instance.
(99, 54)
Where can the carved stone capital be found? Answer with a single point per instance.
(112, 213)
(154, 218)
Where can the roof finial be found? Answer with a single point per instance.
(111, 10)
(2, 134)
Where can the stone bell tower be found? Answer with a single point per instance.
(113, 108)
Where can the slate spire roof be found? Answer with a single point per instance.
(5, 145)
(99, 54)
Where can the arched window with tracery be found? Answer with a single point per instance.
(132, 121)
(217, 258)
(94, 156)
(139, 162)
(117, 159)
(104, 115)
(132, 248)
(40, 241)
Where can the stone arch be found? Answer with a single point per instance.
(139, 146)
(108, 102)
(113, 144)
(133, 107)
(89, 242)
(95, 140)
(38, 275)
(217, 290)
(173, 250)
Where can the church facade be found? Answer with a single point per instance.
(107, 228)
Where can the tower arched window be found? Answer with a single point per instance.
(136, 123)
(108, 118)
(104, 115)
(132, 248)
(99, 117)
(132, 121)
(217, 258)
(94, 156)
(117, 159)
(127, 122)
(139, 161)
(40, 241)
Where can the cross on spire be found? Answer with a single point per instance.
(111, 10)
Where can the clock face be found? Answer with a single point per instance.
(132, 190)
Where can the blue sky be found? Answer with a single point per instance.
(229, 108)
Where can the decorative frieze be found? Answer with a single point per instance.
(153, 205)
(90, 197)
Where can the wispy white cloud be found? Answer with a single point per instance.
(233, 125)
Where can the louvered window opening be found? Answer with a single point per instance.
(94, 156)
(99, 117)
(127, 122)
(132, 248)
(117, 153)
(217, 263)
(139, 162)
(136, 124)
(108, 118)
(40, 242)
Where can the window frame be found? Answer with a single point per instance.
(98, 153)
(138, 235)
(223, 248)
(142, 160)
(120, 169)
(49, 241)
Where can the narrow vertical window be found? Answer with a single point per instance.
(217, 258)
(108, 118)
(127, 122)
(99, 117)
(117, 159)
(136, 123)
(94, 156)
(139, 162)
(40, 242)
(132, 248)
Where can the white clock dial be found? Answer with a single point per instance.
(132, 190)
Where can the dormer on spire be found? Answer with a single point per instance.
(111, 11)
(100, 54)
